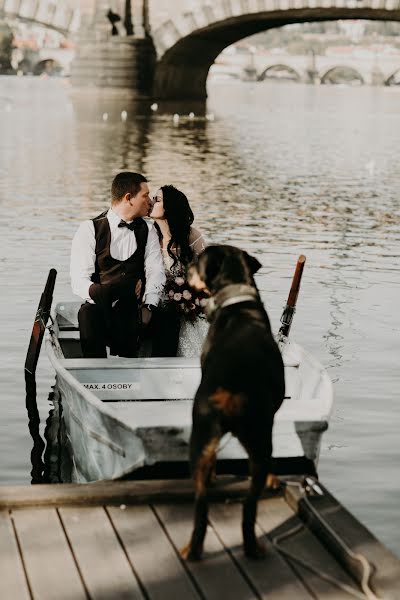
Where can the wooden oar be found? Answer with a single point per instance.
(290, 308)
(39, 325)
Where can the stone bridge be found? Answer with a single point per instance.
(368, 67)
(61, 15)
(189, 36)
(175, 42)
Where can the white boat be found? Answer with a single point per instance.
(125, 415)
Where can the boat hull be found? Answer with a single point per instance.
(101, 446)
(124, 415)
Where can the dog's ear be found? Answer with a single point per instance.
(210, 262)
(253, 264)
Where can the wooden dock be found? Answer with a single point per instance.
(121, 540)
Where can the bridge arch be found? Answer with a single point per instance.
(47, 66)
(394, 78)
(188, 45)
(345, 69)
(279, 67)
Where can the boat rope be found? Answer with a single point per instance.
(40, 318)
(367, 592)
(317, 571)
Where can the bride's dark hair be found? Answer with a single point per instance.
(180, 217)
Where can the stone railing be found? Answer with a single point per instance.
(56, 14)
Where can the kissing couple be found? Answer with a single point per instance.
(128, 265)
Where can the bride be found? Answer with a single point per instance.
(181, 328)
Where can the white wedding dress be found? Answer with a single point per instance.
(192, 333)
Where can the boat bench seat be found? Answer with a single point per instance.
(69, 335)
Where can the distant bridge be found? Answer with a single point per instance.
(368, 67)
(61, 15)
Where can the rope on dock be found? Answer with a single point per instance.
(366, 593)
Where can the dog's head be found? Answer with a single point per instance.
(219, 266)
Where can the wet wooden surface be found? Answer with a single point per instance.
(109, 549)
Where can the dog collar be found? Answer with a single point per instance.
(229, 295)
(237, 300)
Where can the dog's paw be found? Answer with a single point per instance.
(273, 482)
(190, 553)
(256, 550)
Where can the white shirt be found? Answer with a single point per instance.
(123, 245)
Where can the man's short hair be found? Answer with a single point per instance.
(126, 183)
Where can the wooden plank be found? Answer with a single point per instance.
(103, 563)
(272, 578)
(154, 559)
(69, 335)
(12, 577)
(117, 492)
(50, 567)
(216, 575)
(307, 548)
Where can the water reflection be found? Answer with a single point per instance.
(111, 106)
(50, 458)
(34, 429)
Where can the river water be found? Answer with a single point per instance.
(278, 169)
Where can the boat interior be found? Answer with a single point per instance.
(144, 391)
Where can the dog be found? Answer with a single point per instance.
(242, 384)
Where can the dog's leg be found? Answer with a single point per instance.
(273, 482)
(212, 473)
(202, 460)
(254, 548)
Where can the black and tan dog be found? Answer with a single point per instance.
(242, 383)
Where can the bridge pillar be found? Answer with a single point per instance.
(376, 76)
(104, 60)
(311, 71)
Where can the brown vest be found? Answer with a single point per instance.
(112, 271)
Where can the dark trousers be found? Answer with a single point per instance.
(116, 327)
(164, 332)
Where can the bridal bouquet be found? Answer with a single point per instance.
(183, 299)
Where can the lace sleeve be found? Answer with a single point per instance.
(196, 241)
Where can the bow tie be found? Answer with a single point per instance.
(132, 226)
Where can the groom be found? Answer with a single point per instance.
(111, 254)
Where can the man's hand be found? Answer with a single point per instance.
(138, 289)
(146, 315)
(101, 294)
